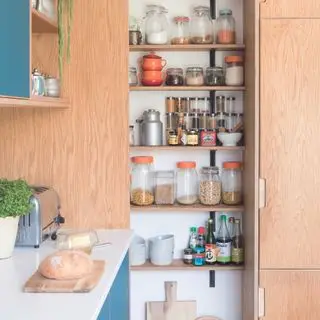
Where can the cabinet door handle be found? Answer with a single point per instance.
(262, 193)
(261, 303)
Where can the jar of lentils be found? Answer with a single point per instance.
(210, 186)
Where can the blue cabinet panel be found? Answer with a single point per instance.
(116, 307)
(15, 27)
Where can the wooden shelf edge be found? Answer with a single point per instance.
(42, 24)
(179, 265)
(34, 102)
(187, 88)
(186, 47)
(186, 208)
(185, 148)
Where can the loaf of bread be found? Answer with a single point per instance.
(66, 265)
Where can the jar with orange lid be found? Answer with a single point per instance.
(232, 183)
(234, 73)
(142, 181)
(187, 183)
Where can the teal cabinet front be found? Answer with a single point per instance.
(15, 36)
(116, 306)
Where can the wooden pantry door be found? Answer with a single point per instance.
(290, 143)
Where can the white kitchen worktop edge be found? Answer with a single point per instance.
(14, 272)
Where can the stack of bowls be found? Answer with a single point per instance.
(152, 66)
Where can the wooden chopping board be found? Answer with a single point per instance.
(171, 309)
(38, 283)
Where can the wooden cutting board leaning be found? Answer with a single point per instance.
(38, 283)
(171, 309)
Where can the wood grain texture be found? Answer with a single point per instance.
(34, 102)
(42, 24)
(290, 9)
(82, 152)
(251, 161)
(291, 295)
(290, 130)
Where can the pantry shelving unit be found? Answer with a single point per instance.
(187, 88)
(187, 47)
(185, 148)
(187, 208)
(34, 102)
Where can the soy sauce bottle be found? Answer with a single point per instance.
(224, 243)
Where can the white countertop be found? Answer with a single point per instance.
(14, 272)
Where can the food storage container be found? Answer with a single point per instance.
(220, 104)
(195, 121)
(52, 87)
(187, 120)
(142, 181)
(152, 78)
(194, 76)
(210, 186)
(220, 122)
(187, 182)
(229, 121)
(170, 104)
(165, 187)
(234, 71)
(232, 183)
(172, 120)
(181, 34)
(201, 26)
(186, 104)
(156, 25)
(212, 121)
(133, 77)
(214, 76)
(193, 137)
(131, 135)
(204, 105)
(151, 128)
(203, 120)
(226, 27)
(174, 77)
(230, 105)
(135, 37)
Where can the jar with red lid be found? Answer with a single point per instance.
(234, 71)
(142, 181)
(181, 33)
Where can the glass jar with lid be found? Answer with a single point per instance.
(142, 181)
(156, 25)
(232, 183)
(174, 77)
(214, 76)
(194, 76)
(204, 105)
(210, 186)
(201, 27)
(226, 27)
(234, 71)
(187, 182)
(133, 78)
(220, 104)
(165, 187)
(181, 34)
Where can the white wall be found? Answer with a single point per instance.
(224, 300)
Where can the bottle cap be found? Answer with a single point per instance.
(223, 218)
(201, 230)
(193, 229)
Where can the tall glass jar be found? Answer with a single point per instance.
(187, 182)
(210, 186)
(165, 187)
(226, 27)
(157, 25)
(201, 27)
(142, 181)
(234, 71)
(181, 34)
(232, 183)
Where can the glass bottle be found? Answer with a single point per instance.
(181, 34)
(224, 242)
(211, 257)
(231, 226)
(193, 238)
(226, 27)
(201, 27)
(201, 241)
(237, 254)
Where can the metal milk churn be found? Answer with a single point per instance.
(151, 128)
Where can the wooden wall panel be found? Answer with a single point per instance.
(82, 152)
(291, 295)
(290, 130)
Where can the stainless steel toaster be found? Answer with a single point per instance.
(44, 219)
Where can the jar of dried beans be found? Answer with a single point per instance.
(181, 31)
(210, 186)
(232, 183)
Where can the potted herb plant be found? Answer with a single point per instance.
(14, 202)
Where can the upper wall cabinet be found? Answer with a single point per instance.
(290, 9)
(15, 48)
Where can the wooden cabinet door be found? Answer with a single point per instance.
(290, 143)
(291, 295)
(290, 9)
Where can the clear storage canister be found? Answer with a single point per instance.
(156, 26)
(214, 76)
(194, 76)
(201, 27)
(187, 182)
(210, 186)
(232, 183)
(226, 27)
(181, 34)
(132, 76)
(164, 190)
(234, 71)
(142, 181)
(174, 77)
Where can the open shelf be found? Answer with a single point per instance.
(42, 24)
(179, 265)
(185, 148)
(188, 208)
(187, 47)
(187, 88)
(34, 102)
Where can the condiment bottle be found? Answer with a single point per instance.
(210, 246)
(193, 238)
(224, 242)
(237, 255)
(201, 237)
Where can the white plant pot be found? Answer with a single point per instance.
(8, 234)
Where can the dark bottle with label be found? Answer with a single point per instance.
(224, 243)
(211, 257)
(201, 237)
(237, 254)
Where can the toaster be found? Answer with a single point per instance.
(44, 219)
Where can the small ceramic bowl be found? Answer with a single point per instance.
(229, 139)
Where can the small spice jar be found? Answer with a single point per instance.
(174, 77)
(133, 78)
(187, 256)
(131, 135)
(171, 118)
(230, 105)
(226, 27)
(212, 121)
(214, 76)
(186, 104)
(210, 186)
(164, 190)
(192, 137)
(170, 104)
(220, 104)
(203, 123)
(187, 120)
(234, 71)
(179, 105)
(173, 138)
(194, 76)
(195, 121)
(181, 31)
(194, 105)
(203, 105)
